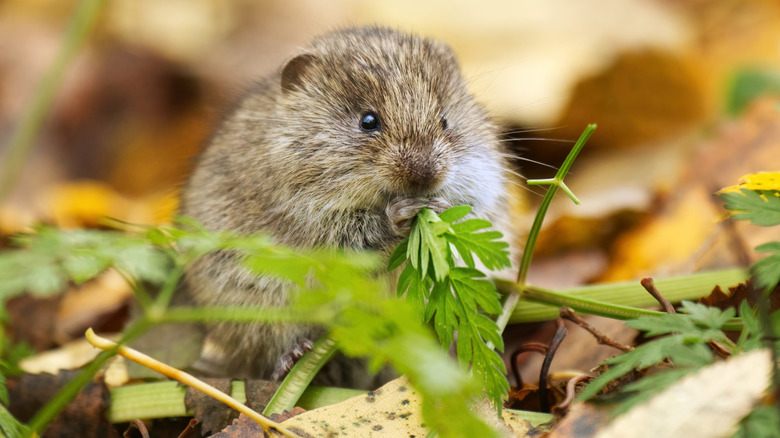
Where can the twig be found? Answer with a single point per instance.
(187, 379)
(139, 426)
(649, 286)
(568, 314)
(189, 431)
(560, 333)
(561, 407)
(536, 347)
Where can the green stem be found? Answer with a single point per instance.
(166, 292)
(23, 138)
(49, 411)
(238, 314)
(554, 183)
(53, 407)
(617, 300)
(512, 299)
(300, 376)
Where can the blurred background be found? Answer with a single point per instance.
(685, 94)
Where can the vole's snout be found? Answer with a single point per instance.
(418, 171)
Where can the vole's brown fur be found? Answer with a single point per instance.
(292, 160)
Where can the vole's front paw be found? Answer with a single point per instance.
(438, 205)
(402, 210)
(288, 360)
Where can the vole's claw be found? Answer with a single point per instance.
(288, 360)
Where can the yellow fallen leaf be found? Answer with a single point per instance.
(392, 410)
(87, 203)
(757, 181)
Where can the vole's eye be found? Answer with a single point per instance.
(443, 121)
(369, 122)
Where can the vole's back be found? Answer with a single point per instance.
(357, 132)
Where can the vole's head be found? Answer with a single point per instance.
(369, 114)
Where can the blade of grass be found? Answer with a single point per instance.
(533, 234)
(23, 138)
(617, 300)
(299, 377)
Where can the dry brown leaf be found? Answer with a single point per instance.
(708, 404)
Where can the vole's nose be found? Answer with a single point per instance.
(419, 171)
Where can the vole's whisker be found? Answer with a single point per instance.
(523, 131)
(528, 160)
(556, 140)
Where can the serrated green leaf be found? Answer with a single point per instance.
(663, 324)
(769, 247)
(488, 330)
(415, 288)
(751, 336)
(767, 272)
(443, 311)
(470, 226)
(643, 389)
(463, 252)
(452, 214)
(642, 357)
(398, 257)
(604, 378)
(709, 317)
(485, 245)
(762, 422)
(689, 355)
(465, 345)
(83, 268)
(3, 387)
(759, 207)
(10, 426)
(433, 246)
(466, 283)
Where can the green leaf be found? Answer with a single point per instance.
(485, 245)
(643, 389)
(675, 347)
(442, 309)
(398, 257)
(458, 295)
(10, 426)
(471, 225)
(663, 324)
(455, 213)
(751, 336)
(767, 270)
(759, 207)
(762, 422)
(709, 317)
(426, 244)
(416, 289)
(3, 387)
(466, 284)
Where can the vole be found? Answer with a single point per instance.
(340, 147)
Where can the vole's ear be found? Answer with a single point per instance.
(294, 72)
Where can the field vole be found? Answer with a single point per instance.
(339, 148)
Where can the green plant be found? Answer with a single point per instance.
(684, 339)
(452, 296)
(362, 319)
